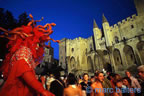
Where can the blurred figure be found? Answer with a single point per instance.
(49, 80)
(127, 83)
(57, 86)
(43, 81)
(92, 79)
(141, 71)
(112, 78)
(72, 89)
(117, 91)
(97, 85)
(1, 81)
(141, 78)
(65, 80)
(107, 84)
(79, 81)
(134, 81)
(85, 84)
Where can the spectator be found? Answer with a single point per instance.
(57, 86)
(127, 83)
(85, 84)
(49, 80)
(117, 91)
(92, 79)
(97, 85)
(72, 89)
(141, 78)
(134, 81)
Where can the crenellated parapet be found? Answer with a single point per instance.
(123, 22)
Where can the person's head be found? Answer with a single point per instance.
(71, 79)
(126, 81)
(111, 76)
(119, 83)
(117, 77)
(57, 74)
(99, 76)
(141, 71)
(92, 79)
(108, 72)
(127, 73)
(85, 77)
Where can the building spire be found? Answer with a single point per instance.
(104, 19)
(94, 24)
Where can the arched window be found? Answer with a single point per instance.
(116, 39)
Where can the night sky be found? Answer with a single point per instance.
(73, 18)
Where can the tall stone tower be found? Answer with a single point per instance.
(49, 53)
(97, 35)
(106, 29)
(62, 53)
(139, 6)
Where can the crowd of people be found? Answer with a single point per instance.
(100, 84)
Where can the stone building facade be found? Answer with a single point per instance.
(114, 48)
(48, 58)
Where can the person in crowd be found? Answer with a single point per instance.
(65, 80)
(141, 78)
(134, 81)
(72, 89)
(1, 81)
(127, 83)
(85, 84)
(49, 80)
(57, 86)
(80, 80)
(118, 86)
(26, 48)
(43, 81)
(112, 78)
(92, 79)
(107, 84)
(97, 88)
(108, 75)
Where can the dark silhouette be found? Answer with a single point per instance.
(8, 22)
(23, 19)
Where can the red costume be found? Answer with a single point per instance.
(23, 57)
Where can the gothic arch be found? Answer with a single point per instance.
(106, 56)
(90, 64)
(98, 62)
(72, 63)
(106, 60)
(78, 63)
(109, 67)
(67, 66)
(129, 55)
(140, 47)
(117, 57)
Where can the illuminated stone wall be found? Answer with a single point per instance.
(114, 48)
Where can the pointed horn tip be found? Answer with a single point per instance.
(58, 41)
(30, 15)
(53, 24)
